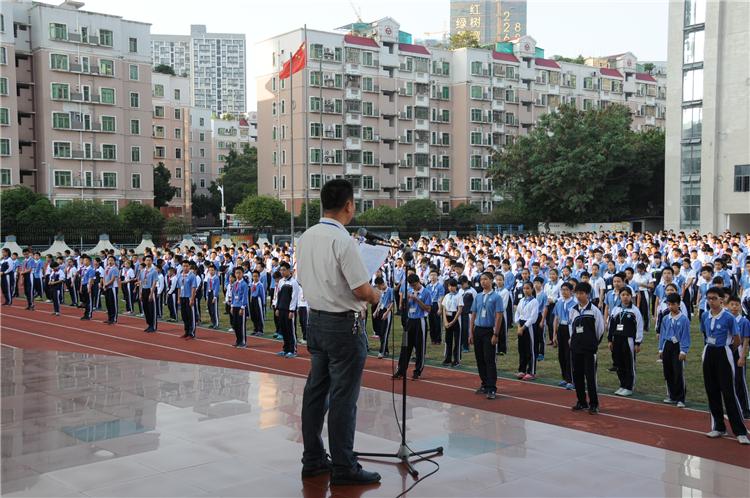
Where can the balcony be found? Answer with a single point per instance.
(353, 143)
(498, 105)
(421, 124)
(421, 193)
(422, 171)
(420, 77)
(421, 147)
(93, 184)
(352, 68)
(353, 119)
(388, 84)
(353, 93)
(498, 128)
(388, 133)
(498, 81)
(388, 59)
(422, 100)
(353, 169)
(375, 186)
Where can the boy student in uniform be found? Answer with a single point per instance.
(740, 354)
(87, 282)
(484, 328)
(27, 277)
(417, 299)
(674, 344)
(437, 291)
(257, 302)
(587, 330)
(506, 302)
(71, 277)
(381, 317)
(111, 283)
(452, 306)
(147, 282)
(171, 293)
(720, 329)
(624, 338)
(285, 301)
(541, 320)
(212, 296)
(527, 314)
(187, 288)
(468, 294)
(56, 281)
(239, 305)
(8, 277)
(561, 334)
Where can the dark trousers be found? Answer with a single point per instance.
(484, 352)
(57, 297)
(502, 336)
(127, 294)
(149, 308)
(415, 340)
(95, 295)
(436, 333)
(304, 321)
(73, 291)
(276, 322)
(673, 370)
(188, 316)
(7, 284)
(337, 360)
(740, 384)
(382, 328)
(110, 299)
(238, 325)
(563, 353)
(452, 340)
(584, 376)
(47, 289)
(550, 321)
(256, 314)
(718, 378)
(37, 286)
(28, 290)
(286, 325)
(172, 305)
(465, 326)
(539, 338)
(86, 299)
(643, 308)
(526, 345)
(623, 349)
(212, 302)
(137, 299)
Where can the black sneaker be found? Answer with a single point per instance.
(315, 470)
(455, 364)
(397, 375)
(357, 477)
(415, 376)
(593, 410)
(491, 395)
(481, 390)
(579, 406)
(446, 363)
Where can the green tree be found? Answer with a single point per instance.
(12, 202)
(314, 213)
(239, 176)
(262, 211)
(574, 166)
(87, 215)
(176, 226)
(648, 67)
(206, 205)
(163, 190)
(647, 188)
(465, 214)
(577, 60)
(380, 216)
(141, 218)
(164, 69)
(463, 39)
(41, 217)
(418, 213)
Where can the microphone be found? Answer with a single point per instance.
(371, 237)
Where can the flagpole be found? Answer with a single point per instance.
(307, 134)
(291, 136)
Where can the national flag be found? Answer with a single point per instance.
(296, 64)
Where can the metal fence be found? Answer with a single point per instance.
(83, 238)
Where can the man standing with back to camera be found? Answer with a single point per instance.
(337, 285)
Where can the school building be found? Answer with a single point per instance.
(707, 178)
(406, 121)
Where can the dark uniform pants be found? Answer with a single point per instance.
(57, 296)
(718, 377)
(435, 328)
(256, 314)
(453, 339)
(673, 369)
(287, 331)
(212, 302)
(28, 289)
(465, 327)
(584, 376)
(415, 340)
(8, 286)
(86, 299)
(238, 325)
(382, 327)
(484, 352)
(623, 350)
(149, 307)
(110, 298)
(526, 347)
(172, 305)
(740, 384)
(563, 352)
(188, 316)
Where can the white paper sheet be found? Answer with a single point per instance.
(373, 256)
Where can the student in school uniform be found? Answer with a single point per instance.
(230, 280)
(561, 333)
(674, 345)
(25, 274)
(171, 292)
(286, 300)
(452, 306)
(740, 354)
(527, 314)
(213, 288)
(552, 291)
(239, 305)
(484, 328)
(45, 279)
(186, 290)
(506, 302)
(257, 302)
(56, 282)
(720, 329)
(147, 283)
(417, 300)
(541, 320)
(468, 294)
(437, 291)
(642, 282)
(96, 288)
(111, 284)
(37, 276)
(8, 277)
(161, 288)
(624, 339)
(587, 330)
(382, 316)
(87, 281)
(71, 280)
(301, 316)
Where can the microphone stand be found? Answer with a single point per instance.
(404, 453)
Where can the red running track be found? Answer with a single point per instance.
(662, 426)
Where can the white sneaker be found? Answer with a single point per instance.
(668, 401)
(659, 360)
(380, 356)
(715, 434)
(680, 404)
(302, 341)
(230, 329)
(626, 392)
(743, 440)
(619, 392)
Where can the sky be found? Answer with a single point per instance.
(564, 27)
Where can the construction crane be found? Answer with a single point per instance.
(357, 11)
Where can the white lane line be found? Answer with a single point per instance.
(116, 353)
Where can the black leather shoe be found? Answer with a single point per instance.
(317, 470)
(580, 406)
(397, 375)
(593, 410)
(415, 376)
(358, 477)
(491, 395)
(481, 390)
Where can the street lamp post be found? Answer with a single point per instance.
(223, 214)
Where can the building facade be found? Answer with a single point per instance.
(404, 122)
(214, 62)
(489, 20)
(707, 175)
(76, 107)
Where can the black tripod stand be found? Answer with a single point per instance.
(404, 453)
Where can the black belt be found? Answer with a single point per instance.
(337, 314)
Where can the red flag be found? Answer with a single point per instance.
(298, 62)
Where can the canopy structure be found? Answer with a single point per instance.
(103, 245)
(187, 242)
(146, 243)
(12, 245)
(58, 247)
(225, 240)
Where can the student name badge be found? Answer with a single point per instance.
(483, 314)
(711, 340)
(620, 327)
(609, 287)
(674, 340)
(413, 310)
(579, 329)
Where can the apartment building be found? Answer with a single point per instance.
(229, 133)
(202, 170)
(707, 159)
(76, 103)
(404, 121)
(170, 130)
(214, 62)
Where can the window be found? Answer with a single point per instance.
(109, 179)
(741, 178)
(135, 154)
(177, 94)
(316, 156)
(476, 115)
(3, 86)
(367, 59)
(695, 12)
(60, 91)
(60, 120)
(692, 85)
(58, 31)
(107, 95)
(3, 56)
(4, 116)
(111, 205)
(476, 184)
(476, 92)
(368, 157)
(159, 111)
(178, 133)
(178, 113)
(135, 127)
(135, 180)
(178, 153)
(5, 176)
(314, 181)
(178, 193)
(202, 152)
(202, 137)
(87, 151)
(476, 138)
(692, 121)
(158, 90)
(105, 37)
(178, 172)
(58, 61)
(4, 146)
(108, 123)
(135, 100)
(476, 68)
(133, 45)
(63, 178)
(315, 104)
(61, 149)
(476, 161)
(134, 72)
(109, 151)
(203, 183)
(693, 47)
(106, 67)
(315, 78)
